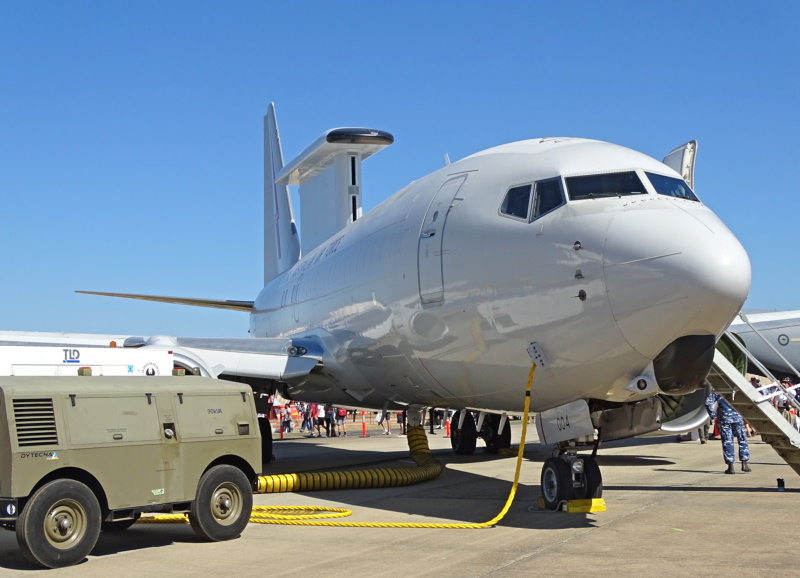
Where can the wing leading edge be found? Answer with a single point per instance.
(212, 303)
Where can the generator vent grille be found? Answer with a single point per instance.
(35, 420)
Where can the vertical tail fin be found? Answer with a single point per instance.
(281, 243)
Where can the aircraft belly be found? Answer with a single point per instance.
(489, 370)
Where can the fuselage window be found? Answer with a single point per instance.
(606, 185)
(671, 186)
(517, 202)
(548, 196)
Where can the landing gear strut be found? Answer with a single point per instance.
(570, 477)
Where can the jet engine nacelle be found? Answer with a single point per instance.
(685, 412)
(674, 414)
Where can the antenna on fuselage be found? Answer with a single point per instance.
(446, 160)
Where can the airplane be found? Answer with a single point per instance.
(773, 337)
(597, 261)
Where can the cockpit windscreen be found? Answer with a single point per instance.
(605, 185)
(671, 186)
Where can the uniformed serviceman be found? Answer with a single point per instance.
(730, 424)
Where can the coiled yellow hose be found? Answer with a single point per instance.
(426, 469)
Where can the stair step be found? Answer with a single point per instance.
(765, 419)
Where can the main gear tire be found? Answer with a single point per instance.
(463, 439)
(221, 509)
(59, 524)
(497, 441)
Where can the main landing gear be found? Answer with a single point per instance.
(464, 433)
(570, 477)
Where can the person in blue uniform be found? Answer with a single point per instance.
(730, 424)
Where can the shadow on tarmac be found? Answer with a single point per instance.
(456, 496)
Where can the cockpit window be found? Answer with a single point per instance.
(517, 202)
(671, 186)
(605, 185)
(548, 197)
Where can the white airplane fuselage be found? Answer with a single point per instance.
(433, 297)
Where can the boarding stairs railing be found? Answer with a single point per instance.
(755, 404)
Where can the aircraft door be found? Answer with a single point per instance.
(429, 259)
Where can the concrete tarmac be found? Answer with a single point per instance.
(671, 511)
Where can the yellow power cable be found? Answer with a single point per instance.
(415, 444)
(427, 468)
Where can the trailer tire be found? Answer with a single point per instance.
(221, 509)
(59, 525)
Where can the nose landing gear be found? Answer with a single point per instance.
(570, 477)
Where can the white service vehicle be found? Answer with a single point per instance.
(31, 360)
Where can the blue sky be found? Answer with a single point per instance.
(131, 133)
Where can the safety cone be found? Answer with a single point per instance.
(281, 430)
(364, 425)
(447, 428)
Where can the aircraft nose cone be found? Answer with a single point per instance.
(673, 272)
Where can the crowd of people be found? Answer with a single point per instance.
(326, 420)
(780, 398)
(314, 419)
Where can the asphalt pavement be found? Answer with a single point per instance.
(670, 511)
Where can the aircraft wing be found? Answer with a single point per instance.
(213, 303)
(279, 359)
(765, 320)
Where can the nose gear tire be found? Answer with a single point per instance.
(556, 482)
(593, 480)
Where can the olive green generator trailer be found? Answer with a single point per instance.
(83, 454)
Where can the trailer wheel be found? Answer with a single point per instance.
(59, 525)
(221, 509)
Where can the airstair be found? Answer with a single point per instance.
(756, 407)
